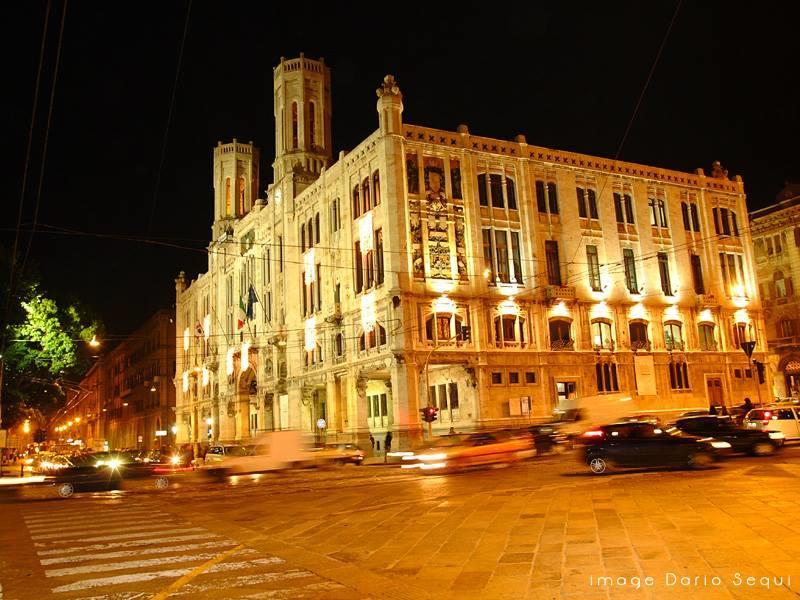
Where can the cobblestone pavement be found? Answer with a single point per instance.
(542, 529)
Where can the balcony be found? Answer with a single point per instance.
(606, 344)
(559, 345)
(707, 300)
(560, 292)
(708, 346)
(640, 345)
(674, 345)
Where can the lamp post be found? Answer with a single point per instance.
(748, 348)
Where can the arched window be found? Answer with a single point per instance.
(552, 197)
(602, 338)
(606, 375)
(365, 193)
(338, 344)
(706, 333)
(739, 334)
(228, 198)
(376, 185)
(672, 336)
(241, 195)
(294, 126)
(356, 203)
(734, 224)
(560, 336)
(312, 124)
(638, 333)
(303, 237)
(509, 331)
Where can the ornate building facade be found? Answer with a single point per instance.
(486, 277)
(776, 239)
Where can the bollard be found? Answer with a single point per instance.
(22, 469)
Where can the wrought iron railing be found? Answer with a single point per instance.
(558, 345)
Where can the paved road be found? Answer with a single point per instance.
(541, 529)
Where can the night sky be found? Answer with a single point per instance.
(565, 74)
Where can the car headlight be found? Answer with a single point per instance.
(113, 463)
(776, 435)
(720, 445)
(431, 457)
(175, 460)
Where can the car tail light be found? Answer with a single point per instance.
(593, 433)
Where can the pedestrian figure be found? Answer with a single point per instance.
(713, 410)
(452, 431)
(748, 405)
(372, 441)
(724, 411)
(387, 445)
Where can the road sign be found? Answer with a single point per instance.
(748, 348)
(160, 433)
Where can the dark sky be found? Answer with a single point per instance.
(565, 74)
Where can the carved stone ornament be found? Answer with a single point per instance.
(389, 87)
(717, 172)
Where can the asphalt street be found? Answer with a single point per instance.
(540, 529)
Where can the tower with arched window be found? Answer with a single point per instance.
(302, 108)
(236, 183)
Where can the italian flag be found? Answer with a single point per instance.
(241, 318)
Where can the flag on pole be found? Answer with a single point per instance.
(251, 299)
(241, 318)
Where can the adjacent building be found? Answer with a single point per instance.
(489, 278)
(127, 398)
(776, 239)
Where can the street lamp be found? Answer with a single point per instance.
(748, 348)
(94, 343)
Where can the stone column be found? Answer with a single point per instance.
(331, 404)
(405, 402)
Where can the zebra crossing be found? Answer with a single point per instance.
(127, 552)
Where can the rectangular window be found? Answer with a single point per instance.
(726, 225)
(268, 268)
(594, 267)
(511, 194)
(591, 196)
(443, 396)
(497, 378)
(384, 405)
(628, 208)
(651, 202)
(319, 287)
(359, 268)
(552, 197)
(305, 292)
(379, 256)
(630, 271)
(553, 263)
(513, 377)
(483, 197)
(501, 248)
(516, 257)
(663, 270)
(541, 197)
(453, 388)
(697, 275)
(530, 377)
(581, 194)
(496, 188)
(488, 254)
(662, 213)
(618, 209)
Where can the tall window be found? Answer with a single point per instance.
(739, 334)
(501, 251)
(552, 197)
(316, 228)
(619, 209)
(241, 195)
(302, 237)
(376, 185)
(497, 258)
(672, 336)
(365, 195)
(697, 275)
(594, 267)
(379, 256)
(516, 257)
(312, 124)
(638, 335)
(685, 213)
(359, 268)
(356, 202)
(587, 203)
(318, 284)
(511, 193)
(658, 212)
(591, 197)
(335, 219)
(732, 266)
(663, 271)
(483, 194)
(496, 188)
(602, 338)
(228, 199)
(606, 375)
(280, 254)
(541, 196)
(294, 125)
(630, 271)
(560, 337)
(628, 208)
(509, 330)
(706, 333)
(581, 193)
(553, 263)
(488, 254)
(678, 375)
(734, 224)
(695, 218)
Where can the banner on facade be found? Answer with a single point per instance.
(645, 369)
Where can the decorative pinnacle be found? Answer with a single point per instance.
(389, 87)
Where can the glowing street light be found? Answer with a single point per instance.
(94, 343)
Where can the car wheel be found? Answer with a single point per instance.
(763, 449)
(598, 465)
(162, 483)
(65, 490)
(700, 459)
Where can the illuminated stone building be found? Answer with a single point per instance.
(776, 239)
(489, 277)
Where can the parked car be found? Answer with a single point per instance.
(741, 439)
(478, 449)
(775, 417)
(694, 413)
(644, 445)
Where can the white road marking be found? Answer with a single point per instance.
(87, 516)
(139, 552)
(124, 536)
(151, 575)
(130, 544)
(72, 523)
(245, 580)
(79, 533)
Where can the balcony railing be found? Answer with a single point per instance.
(708, 346)
(640, 345)
(674, 345)
(559, 345)
(560, 292)
(607, 344)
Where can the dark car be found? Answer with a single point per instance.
(547, 438)
(100, 471)
(644, 445)
(741, 439)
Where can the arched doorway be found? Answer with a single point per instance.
(790, 367)
(246, 399)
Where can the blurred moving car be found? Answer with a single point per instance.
(644, 445)
(337, 454)
(776, 417)
(754, 441)
(220, 454)
(411, 458)
(100, 471)
(694, 413)
(476, 449)
(641, 418)
(54, 464)
(547, 438)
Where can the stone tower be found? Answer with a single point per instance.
(236, 181)
(302, 108)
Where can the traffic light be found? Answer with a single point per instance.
(760, 370)
(429, 413)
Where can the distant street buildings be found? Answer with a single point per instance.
(776, 238)
(127, 399)
(489, 278)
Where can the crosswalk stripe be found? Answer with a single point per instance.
(137, 564)
(124, 536)
(79, 533)
(84, 510)
(98, 518)
(128, 544)
(151, 575)
(141, 551)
